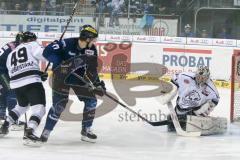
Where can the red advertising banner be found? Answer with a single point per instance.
(114, 58)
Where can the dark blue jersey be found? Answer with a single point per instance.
(60, 51)
(4, 52)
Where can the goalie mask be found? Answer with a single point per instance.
(202, 75)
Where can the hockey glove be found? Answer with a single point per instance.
(99, 89)
(44, 76)
(205, 109)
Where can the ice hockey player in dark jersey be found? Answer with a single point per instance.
(7, 96)
(26, 81)
(69, 49)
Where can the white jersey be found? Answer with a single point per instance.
(190, 95)
(23, 64)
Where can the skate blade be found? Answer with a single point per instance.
(31, 143)
(86, 139)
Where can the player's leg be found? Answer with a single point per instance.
(3, 104)
(88, 117)
(59, 103)
(11, 101)
(17, 111)
(37, 101)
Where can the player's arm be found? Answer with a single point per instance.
(92, 63)
(164, 99)
(53, 51)
(4, 52)
(92, 73)
(5, 49)
(37, 51)
(210, 104)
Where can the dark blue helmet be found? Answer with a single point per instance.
(88, 31)
(19, 37)
(29, 36)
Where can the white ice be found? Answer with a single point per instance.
(126, 140)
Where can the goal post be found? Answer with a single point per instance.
(235, 87)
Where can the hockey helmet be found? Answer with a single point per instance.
(202, 75)
(19, 37)
(88, 31)
(29, 36)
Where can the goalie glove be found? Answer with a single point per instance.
(99, 89)
(205, 109)
(164, 99)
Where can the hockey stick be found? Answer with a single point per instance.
(65, 28)
(25, 125)
(176, 124)
(159, 123)
(91, 85)
(173, 115)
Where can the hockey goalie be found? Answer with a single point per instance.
(197, 98)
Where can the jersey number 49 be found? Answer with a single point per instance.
(20, 56)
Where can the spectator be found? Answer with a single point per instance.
(51, 7)
(187, 31)
(17, 9)
(165, 7)
(43, 7)
(30, 9)
(147, 20)
(115, 10)
(204, 34)
(3, 8)
(224, 34)
(59, 10)
(100, 6)
(135, 9)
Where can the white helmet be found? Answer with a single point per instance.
(202, 75)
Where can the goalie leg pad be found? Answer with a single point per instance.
(182, 121)
(207, 125)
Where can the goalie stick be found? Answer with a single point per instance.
(176, 123)
(65, 28)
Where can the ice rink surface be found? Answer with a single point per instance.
(120, 139)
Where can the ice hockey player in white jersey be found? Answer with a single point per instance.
(197, 95)
(195, 90)
(26, 80)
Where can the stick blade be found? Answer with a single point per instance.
(188, 134)
(177, 126)
(160, 123)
